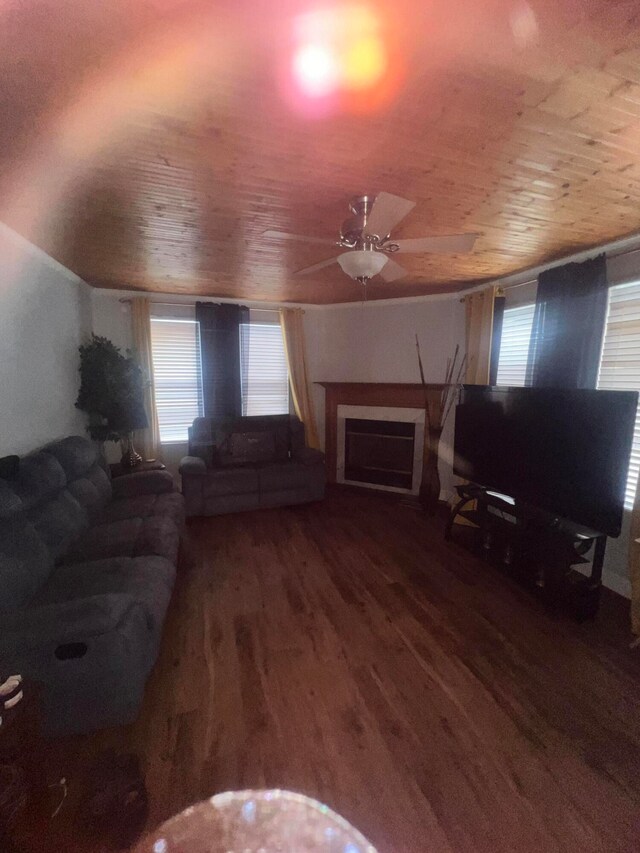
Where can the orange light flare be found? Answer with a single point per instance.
(342, 58)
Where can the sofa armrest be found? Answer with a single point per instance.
(192, 465)
(142, 483)
(49, 626)
(308, 456)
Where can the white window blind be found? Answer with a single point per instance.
(620, 362)
(177, 378)
(514, 345)
(265, 386)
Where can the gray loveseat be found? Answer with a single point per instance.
(249, 463)
(87, 567)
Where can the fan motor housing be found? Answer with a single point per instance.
(353, 232)
(352, 229)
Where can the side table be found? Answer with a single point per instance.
(120, 470)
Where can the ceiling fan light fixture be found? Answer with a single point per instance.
(362, 263)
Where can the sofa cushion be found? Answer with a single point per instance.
(281, 476)
(145, 506)
(132, 537)
(10, 503)
(283, 429)
(92, 491)
(160, 537)
(147, 579)
(9, 467)
(211, 439)
(40, 476)
(101, 480)
(58, 522)
(142, 483)
(224, 504)
(252, 447)
(25, 563)
(202, 442)
(86, 494)
(75, 454)
(230, 481)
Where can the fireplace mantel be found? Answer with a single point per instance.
(390, 394)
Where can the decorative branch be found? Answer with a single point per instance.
(424, 384)
(451, 366)
(453, 389)
(449, 391)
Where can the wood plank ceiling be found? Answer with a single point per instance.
(148, 145)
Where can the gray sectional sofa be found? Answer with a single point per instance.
(87, 567)
(248, 463)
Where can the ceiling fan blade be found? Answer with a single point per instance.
(285, 235)
(392, 271)
(318, 266)
(386, 212)
(454, 243)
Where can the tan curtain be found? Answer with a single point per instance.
(293, 336)
(478, 333)
(146, 440)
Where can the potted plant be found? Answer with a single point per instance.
(112, 387)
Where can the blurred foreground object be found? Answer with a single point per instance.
(115, 805)
(265, 821)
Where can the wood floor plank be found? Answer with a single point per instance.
(346, 651)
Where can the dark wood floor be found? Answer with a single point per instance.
(346, 651)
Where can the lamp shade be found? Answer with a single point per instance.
(128, 415)
(362, 263)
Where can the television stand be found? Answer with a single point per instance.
(538, 549)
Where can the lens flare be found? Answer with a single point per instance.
(364, 63)
(316, 70)
(339, 49)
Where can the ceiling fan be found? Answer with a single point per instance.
(367, 237)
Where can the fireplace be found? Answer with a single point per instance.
(380, 447)
(379, 452)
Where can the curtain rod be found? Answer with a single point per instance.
(608, 256)
(502, 287)
(129, 299)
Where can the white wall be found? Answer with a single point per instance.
(375, 342)
(44, 314)
(111, 318)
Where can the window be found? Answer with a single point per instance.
(620, 362)
(175, 341)
(265, 386)
(176, 370)
(514, 345)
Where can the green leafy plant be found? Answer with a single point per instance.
(112, 387)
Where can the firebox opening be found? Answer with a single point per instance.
(379, 452)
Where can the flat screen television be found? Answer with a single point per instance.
(562, 451)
